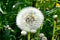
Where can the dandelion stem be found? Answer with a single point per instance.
(41, 1)
(54, 29)
(28, 35)
(36, 4)
(21, 37)
(57, 0)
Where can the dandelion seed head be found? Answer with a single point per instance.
(41, 35)
(55, 16)
(44, 38)
(29, 18)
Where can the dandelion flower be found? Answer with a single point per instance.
(55, 16)
(44, 38)
(41, 35)
(29, 19)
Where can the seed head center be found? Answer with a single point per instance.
(30, 18)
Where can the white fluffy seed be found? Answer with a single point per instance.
(41, 35)
(44, 38)
(55, 16)
(33, 31)
(23, 32)
(9, 28)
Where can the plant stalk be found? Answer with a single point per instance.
(28, 35)
(54, 29)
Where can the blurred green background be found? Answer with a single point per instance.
(9, 9)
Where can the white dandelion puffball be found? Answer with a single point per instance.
(41, 35)
(55, 16)
(29, 19)
(23, 32)
(44, 38)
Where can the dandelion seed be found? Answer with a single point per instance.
(1, 10)
(6, 26)
(12, 30)
(33, 31)
(17, 4)
(9, 28)
(13, 6)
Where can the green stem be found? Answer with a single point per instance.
(57, 0)
(41, 1)
(28, 35)
(21, 37)
(54, 29)
(36, 4)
